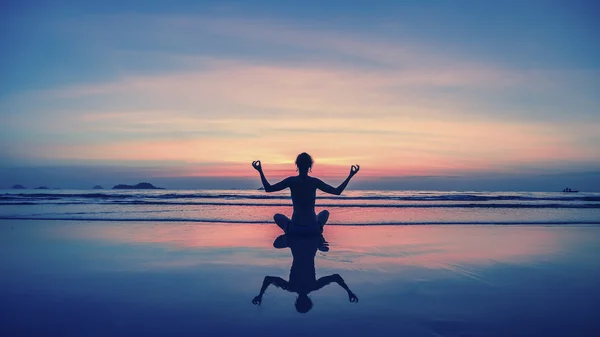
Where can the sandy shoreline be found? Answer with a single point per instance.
(110, 278)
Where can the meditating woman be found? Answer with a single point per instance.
(304, 192)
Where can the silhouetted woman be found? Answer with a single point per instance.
(303, 278)
(304, 192)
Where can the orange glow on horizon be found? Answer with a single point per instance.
(393, 147)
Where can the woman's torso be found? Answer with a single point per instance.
(302, 274)
(304, 193)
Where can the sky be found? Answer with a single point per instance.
(459, 95)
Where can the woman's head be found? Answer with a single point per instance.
(303, 303)
(304, 162)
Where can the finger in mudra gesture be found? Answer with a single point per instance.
(354, 169)
(256, 165)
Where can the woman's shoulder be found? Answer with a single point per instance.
(298, 180)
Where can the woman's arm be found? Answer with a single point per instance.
(323, 281)
(285, 183)
(278, 281)
(338, 190)
(351, 296)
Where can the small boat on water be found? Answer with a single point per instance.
(568, 190)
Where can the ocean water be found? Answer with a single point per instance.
(258, 207)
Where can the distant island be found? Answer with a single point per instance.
(140, 186)
(42, 188)
(98, 187)
(19, 187)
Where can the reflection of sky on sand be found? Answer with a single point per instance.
(381, 248)
(178, 245)
(436, 246)
(122, 279)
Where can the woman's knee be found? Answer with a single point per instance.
(280, 218)
(323, 217)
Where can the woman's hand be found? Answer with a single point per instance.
(257, 300)
(352, 297)
(324, 246)
(354, 170)
(256, 165)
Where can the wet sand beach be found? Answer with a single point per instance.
(77, 278)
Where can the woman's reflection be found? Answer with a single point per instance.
(302, 274)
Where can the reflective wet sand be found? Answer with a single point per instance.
(109, 278)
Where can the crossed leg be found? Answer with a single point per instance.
(322, 218)
(284, 222)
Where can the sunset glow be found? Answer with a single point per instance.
(203, 93)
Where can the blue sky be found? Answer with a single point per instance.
(183, 90)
